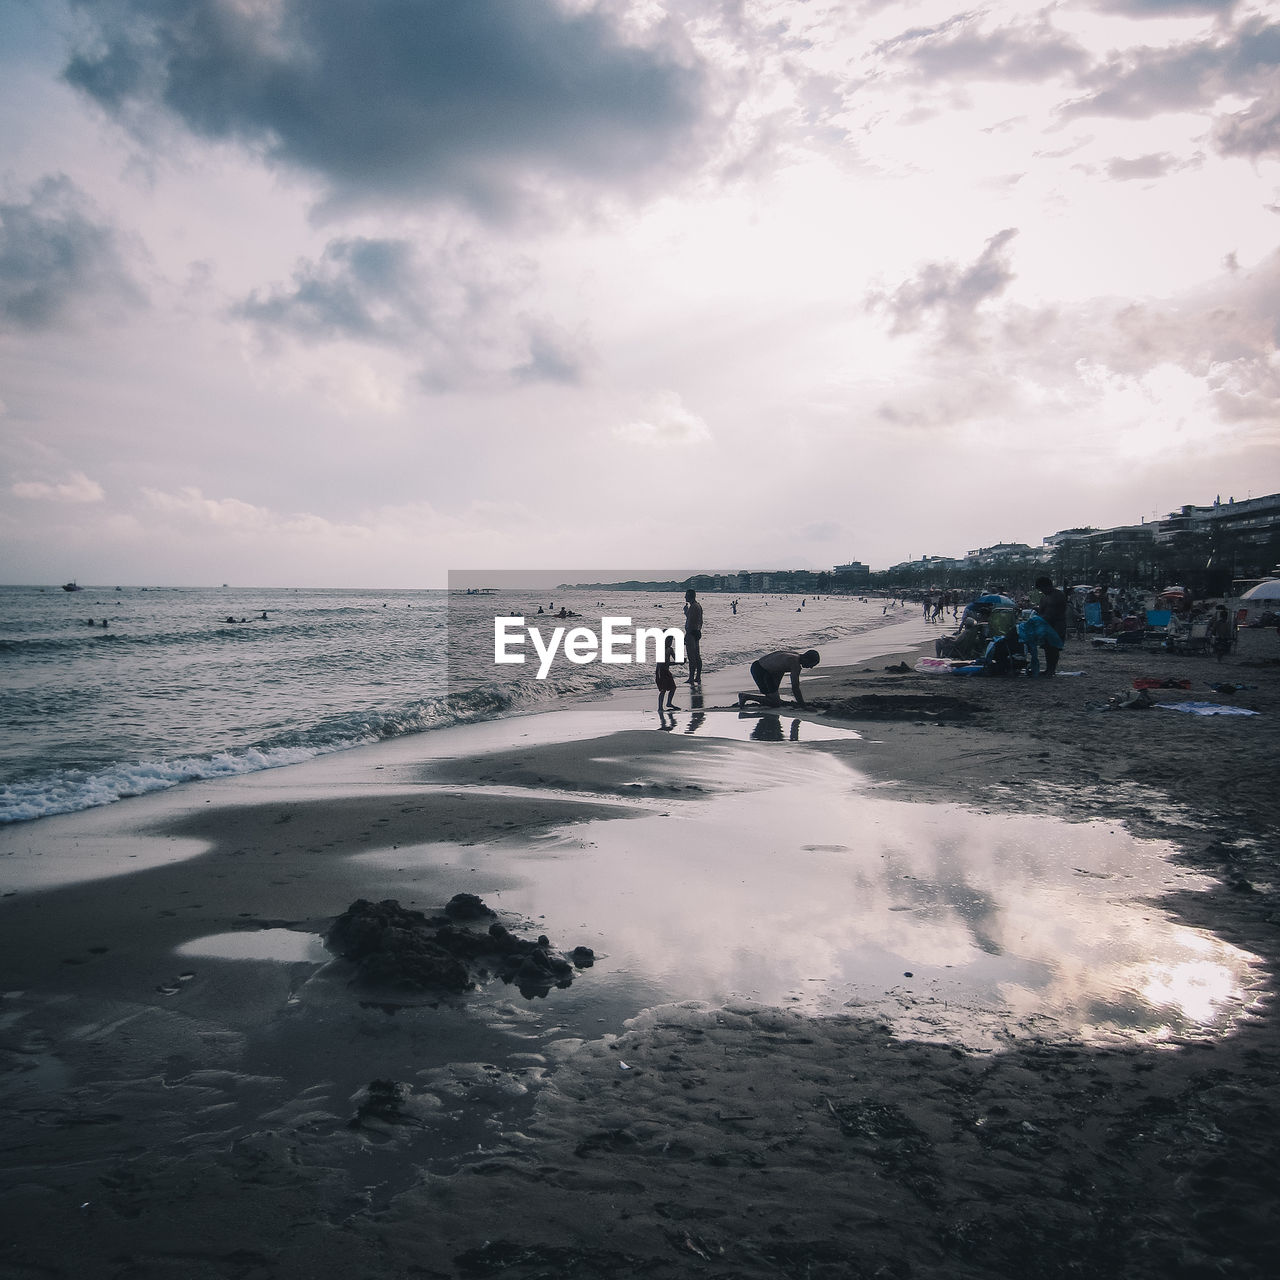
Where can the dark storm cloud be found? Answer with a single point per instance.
(457, 314)
(959, 48)
(405, 99)
(948, 293)
(59, 261)
(364, 290)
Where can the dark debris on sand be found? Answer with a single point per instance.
(903, 706)
(393, 946)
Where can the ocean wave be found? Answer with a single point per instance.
(71, 790)
(269, 632)
(187, 716)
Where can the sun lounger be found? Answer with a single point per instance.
(1192, 639)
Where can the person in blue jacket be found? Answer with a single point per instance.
(1053, 609)
(1035, 633)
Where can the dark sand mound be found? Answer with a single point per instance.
(903, 706)
(393, 946)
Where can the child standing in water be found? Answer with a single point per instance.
(663, 678)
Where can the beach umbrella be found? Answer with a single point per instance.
(1269, 590)
(1175, 591)
(994, 599)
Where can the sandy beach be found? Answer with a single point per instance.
(863, 1001)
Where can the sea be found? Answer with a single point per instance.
(190, 683)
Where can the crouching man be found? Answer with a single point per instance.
(768, 673)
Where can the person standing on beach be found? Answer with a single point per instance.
(1035, 633)
(768, 673)
(1221, 632)
(663, 678)
(693, 636)
(1053, 609)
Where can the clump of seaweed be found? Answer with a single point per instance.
(393, 946)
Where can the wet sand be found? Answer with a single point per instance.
(171, 1111)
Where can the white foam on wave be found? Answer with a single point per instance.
(71, 790)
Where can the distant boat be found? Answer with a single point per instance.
(71, 586)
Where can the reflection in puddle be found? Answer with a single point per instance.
(756, 727)
(284, 945)
(808, 891)
(63, 859)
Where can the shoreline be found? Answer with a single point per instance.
(753, 1140)
(68, 790)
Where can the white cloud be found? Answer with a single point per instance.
(667, 423)
(189, 507)
(76, 488)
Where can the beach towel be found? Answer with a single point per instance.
(1155, 682)
(1207, 709)
(934, 666)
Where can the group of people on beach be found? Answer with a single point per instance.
(935, 607)
(768, 671)
(1001, 636)
(996, 634)
(663, 676)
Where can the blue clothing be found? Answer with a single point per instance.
(1034, 632)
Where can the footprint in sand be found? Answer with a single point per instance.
(172, 988)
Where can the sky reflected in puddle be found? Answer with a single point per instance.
(286, 946)
(755, 727)
(811, 891)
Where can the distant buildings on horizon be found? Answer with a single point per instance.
(1250, 524)
(1247, 531)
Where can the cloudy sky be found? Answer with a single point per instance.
(354, 292)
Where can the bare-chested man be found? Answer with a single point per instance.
(768, 673)
(693, 636)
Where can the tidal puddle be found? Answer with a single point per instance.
(809, 890)
(754, 727)
(287, 946)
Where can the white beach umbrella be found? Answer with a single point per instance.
(1269, 590)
